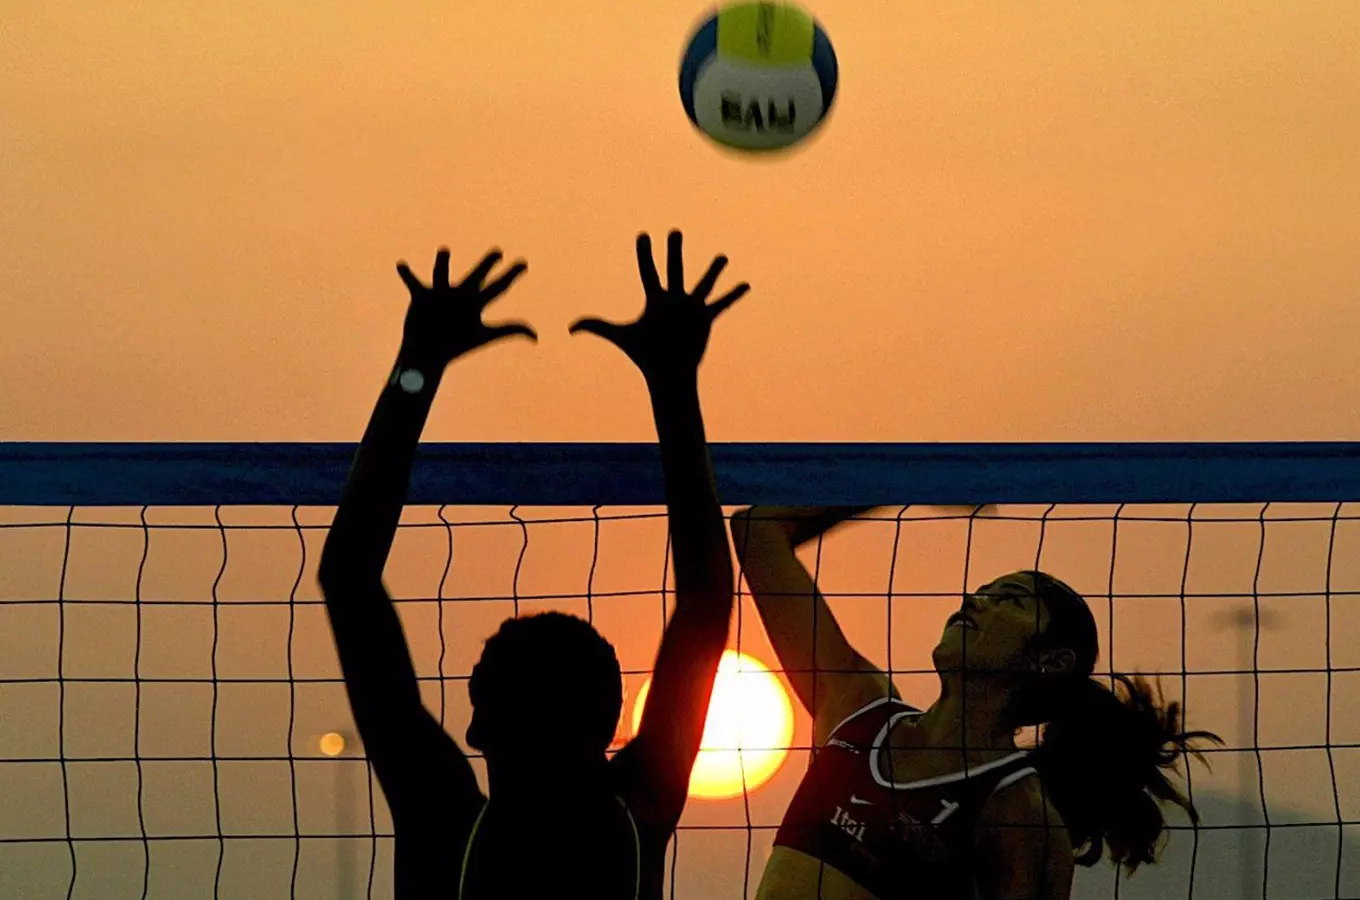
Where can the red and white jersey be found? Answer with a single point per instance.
(899, 840)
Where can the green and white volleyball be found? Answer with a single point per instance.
(758, 76)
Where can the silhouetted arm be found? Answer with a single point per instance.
(667, 343)
(429, 785)
(422, 771)
(672, 727)
(831, 678)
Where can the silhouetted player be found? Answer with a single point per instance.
(563, 820)
(901, 803)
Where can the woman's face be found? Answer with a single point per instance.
(993, 628)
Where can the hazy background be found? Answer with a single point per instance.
(1062, 221)
(1057, 222)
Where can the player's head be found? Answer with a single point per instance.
(551, 679)
(1024, 626)
(1106, 755)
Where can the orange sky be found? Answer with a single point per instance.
(1065, 222)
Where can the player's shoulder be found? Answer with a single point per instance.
(654, 803)
(1023, 842)
(869, 708)
(1020, 804)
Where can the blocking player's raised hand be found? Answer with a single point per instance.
(669, 339)
(444, 320)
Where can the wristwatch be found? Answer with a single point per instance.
(411, 381)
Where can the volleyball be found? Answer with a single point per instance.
(758, 76)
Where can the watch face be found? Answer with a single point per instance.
(411, 381)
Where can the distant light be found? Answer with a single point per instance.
(332, 744)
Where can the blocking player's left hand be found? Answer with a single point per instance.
(444, 320)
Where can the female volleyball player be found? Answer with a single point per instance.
(562, 820)
(893, 807)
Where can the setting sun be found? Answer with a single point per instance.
(747, 733)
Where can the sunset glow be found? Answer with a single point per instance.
(748, 731)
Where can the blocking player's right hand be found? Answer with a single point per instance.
(667, 342)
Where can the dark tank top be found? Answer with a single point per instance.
(896, 840)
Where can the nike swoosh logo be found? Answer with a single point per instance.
(858, 802)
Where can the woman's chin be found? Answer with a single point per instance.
(947, 657)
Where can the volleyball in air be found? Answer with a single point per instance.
(758, 76)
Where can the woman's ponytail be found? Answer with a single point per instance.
(1105, 757)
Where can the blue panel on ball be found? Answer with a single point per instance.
(824, 62)
(700, 50)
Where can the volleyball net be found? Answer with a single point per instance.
(173, 722)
